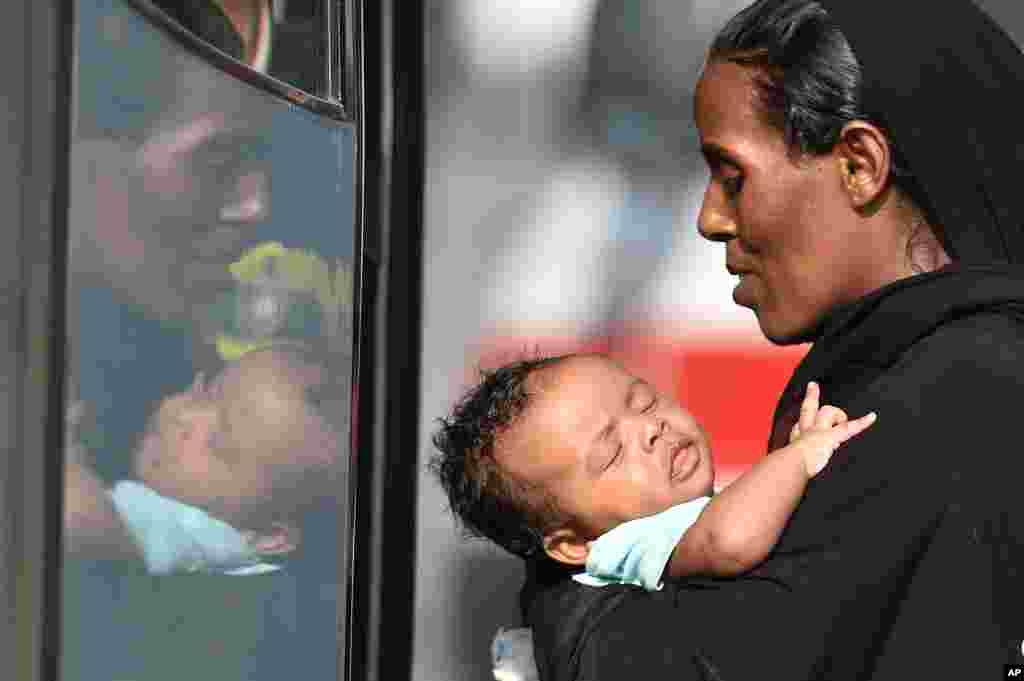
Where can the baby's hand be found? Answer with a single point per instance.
(820, 431)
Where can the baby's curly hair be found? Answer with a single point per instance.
(491, 503)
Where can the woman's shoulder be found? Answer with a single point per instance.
(952, 371)
(962, 382)
(991, 339)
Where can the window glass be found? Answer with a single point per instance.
(210, 355)
(286, 38)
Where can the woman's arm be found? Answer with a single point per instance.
(92, 527)
(741, 525)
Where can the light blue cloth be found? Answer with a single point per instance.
(637, 551)
(176, 538)
(512, 655)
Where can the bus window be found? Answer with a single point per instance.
(210, 355)
(288, 40)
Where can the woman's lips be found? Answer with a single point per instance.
(743, 294)
(684, 462)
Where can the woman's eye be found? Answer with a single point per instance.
(650, 407)
(732, 185)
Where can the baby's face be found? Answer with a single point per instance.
(247, 439)
(607, 445)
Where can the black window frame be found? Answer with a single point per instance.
(343, 29)
(382, 91)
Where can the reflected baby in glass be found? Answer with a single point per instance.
(576, 457)
(225, 471)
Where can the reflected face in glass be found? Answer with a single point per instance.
(785, 221)
(206, 162)
(607, 446)
(176, 190)
(207, 182)
(249, 447)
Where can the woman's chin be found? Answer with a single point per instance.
(779, 331)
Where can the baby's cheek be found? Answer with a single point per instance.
(578, 502)
(617, 505)
(148, 461)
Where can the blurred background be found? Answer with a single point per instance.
(563, 185)
(564, 180)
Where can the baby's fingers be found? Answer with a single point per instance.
(845, 431)
(809, 407)
(829, 416)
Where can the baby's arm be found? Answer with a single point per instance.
(740, 526)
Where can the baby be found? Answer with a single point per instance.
(225, 471)
(575, 457)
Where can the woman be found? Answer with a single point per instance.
(863, 181)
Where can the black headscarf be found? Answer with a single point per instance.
(945, 78)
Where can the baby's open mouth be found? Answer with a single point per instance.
(683, 460)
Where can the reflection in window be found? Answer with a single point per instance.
(285, 38)
(210, 348)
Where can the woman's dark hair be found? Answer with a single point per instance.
(488, 501)
(808, 80)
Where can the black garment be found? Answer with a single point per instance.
(905, 559)
(121, 623)
(946, 80)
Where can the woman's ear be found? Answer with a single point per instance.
(567, 546)
(864, 155)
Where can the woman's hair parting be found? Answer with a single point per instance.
(488, 501)
(808, 79)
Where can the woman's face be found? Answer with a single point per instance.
(789, 228)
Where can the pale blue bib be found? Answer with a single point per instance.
(637, 551)
(176, 538)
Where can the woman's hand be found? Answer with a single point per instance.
(820, 430)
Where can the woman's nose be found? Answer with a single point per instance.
(250, 199)
(714, 222)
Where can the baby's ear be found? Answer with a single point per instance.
(567, 546)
